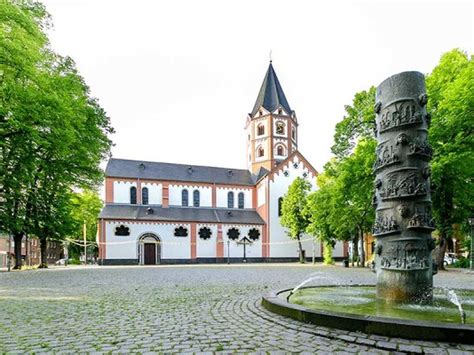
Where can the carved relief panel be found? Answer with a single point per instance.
(404, 255)
(422, 218)
(399, 114)
(385, 224)
(387, 154)
(403, 183)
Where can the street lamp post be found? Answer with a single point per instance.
(471, 252)
(84, 234)
(244, 241)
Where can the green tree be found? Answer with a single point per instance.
(358, 123)
(54, 134)
(21, 44)
(321, 208)
(86, 207)
(293, 211)
(451, 103)
(355, 180)
(342, 206)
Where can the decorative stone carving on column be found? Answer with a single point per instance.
(403, 222)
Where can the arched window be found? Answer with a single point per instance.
(196, 198)
(280, 127)
(260, 130)
(145, 196)
(293, 133)
(133, 195)
(260, 152)
(280, 205)
(230, 199)
(280, 150)
(184, 198)
(241, 200)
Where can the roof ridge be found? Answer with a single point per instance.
(180, 164)
(217, 216)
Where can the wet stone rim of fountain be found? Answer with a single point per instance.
(391, 327)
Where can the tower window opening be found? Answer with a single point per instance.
(260, 152)
(293, 133)
(261, 130)
(280, 128)
(280, 150)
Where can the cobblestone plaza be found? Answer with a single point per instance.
(172, 309)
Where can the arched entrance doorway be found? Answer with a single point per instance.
(149, 249)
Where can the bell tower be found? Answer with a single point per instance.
(271, 127)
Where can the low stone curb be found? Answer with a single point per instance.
(371, 325)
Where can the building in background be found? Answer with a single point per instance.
(173, 213)
(30, 251)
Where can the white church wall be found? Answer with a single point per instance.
(221, 197)
(338, 250)
(126, 247)
(205, 193)
(261, 195)
(280, 244)
(206, 248)
(155, 192)
(122, 191)
(253, 250)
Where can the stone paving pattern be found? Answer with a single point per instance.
(181, 309)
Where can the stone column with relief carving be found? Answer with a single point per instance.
(403, 222)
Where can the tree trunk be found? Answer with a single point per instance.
(355, 249)
(362, 249)
(17, 238)
(44, 258)
(301, 250)
(441, 250)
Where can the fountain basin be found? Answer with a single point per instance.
(368, 323)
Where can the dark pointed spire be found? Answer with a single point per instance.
(271, 95)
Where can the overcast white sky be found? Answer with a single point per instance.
(177, 78)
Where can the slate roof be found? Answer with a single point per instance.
(181, 214)
(178, 172)
(261, 173)
(271, 95)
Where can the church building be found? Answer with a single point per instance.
(163, 213)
